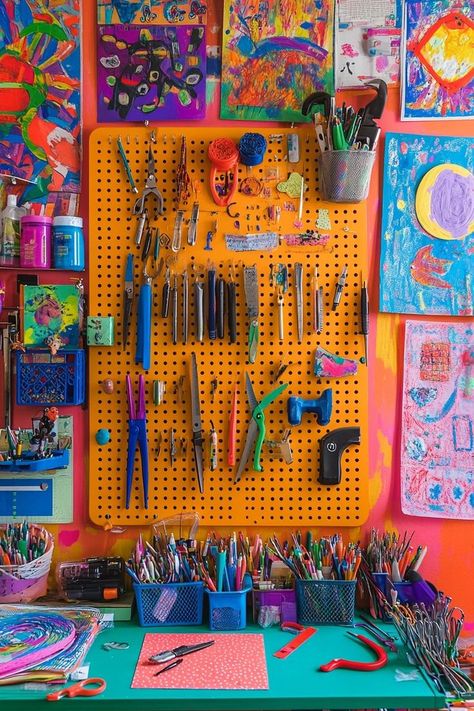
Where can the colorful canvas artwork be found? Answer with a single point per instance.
(427, 252)
(438, 60)
(275, 54)
(437, 447)
(157, 73)
(154, 12)
(51, 310)
(40, 71)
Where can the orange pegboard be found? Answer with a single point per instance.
(282, 494)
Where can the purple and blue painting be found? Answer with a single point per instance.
(157, 73)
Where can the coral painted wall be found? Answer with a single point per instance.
(450, 559)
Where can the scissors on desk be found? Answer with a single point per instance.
(79, 689)
(256, 428)
(137, 432)
(170, 654)
(149, 189)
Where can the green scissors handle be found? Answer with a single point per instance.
(259, 417)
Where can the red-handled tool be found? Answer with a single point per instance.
(87, 687)
(224, 157)
(302, 634)
(380, 662)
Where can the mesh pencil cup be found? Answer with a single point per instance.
(325, 602)
(228, 610)
(165, 605)
(345, 175)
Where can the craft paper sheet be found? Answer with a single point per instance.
(275, 54)
(151, 12)
(234, 661)
(40, 109)
(437, 448)
(157, 73)
(367, 42)
(438, 60)
(427, 268)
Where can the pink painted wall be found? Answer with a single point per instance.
(450, 560)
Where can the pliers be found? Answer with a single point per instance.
(149, 189)
(381, 661)
(256, 428)
(136, 432)
(128, 299)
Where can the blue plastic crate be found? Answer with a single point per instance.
(325, 602)
(164, 605)
(228, 610)
(45, 380)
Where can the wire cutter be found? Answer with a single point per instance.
(128, 299)
(170, 654)
(136, 431)
(256, 428)
(149, 189)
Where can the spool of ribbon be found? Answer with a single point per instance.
(27, 639)
(252, 147)
(224, 156)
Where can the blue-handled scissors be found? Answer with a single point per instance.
(136, 432)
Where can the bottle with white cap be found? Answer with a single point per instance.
(10, 233)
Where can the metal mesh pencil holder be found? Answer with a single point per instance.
(228, 610)
(325, 602)
(345, 175)
(169, 604)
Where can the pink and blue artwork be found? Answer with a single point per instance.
(154, 73)
(437, 446)
(427, 240)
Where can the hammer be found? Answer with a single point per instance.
(322, 408)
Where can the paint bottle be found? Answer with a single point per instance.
(10, 235)
(35, 244)
(68, 243)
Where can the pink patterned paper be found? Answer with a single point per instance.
(234, 661)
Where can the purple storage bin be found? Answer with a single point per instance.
(283, 598)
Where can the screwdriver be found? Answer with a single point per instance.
(364, 318)
(339, 287)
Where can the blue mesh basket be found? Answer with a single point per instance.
(169, 604)
(228, 610)
(325, 602)
(44, 379)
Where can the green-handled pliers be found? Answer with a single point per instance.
(256, 428)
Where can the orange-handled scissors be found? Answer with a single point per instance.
(79, 689)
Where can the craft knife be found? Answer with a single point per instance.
(299, 299)
(178, 224)
(197, 425)
(251, 298)
(193, 222)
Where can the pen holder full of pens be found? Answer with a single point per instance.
(169, 604)
(325, 602)
(26, 582)
(228, 610)
(344, 175)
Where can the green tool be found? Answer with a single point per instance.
(256, 428)
(251, 298)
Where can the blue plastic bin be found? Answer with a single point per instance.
(45, 380)
(169, 604)
(325, 602)
(228, 610)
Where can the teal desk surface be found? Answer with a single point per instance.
(294, 683)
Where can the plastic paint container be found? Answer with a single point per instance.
(68, 243)
(35, 241)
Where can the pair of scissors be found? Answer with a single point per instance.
(169, 654)
(149, 189)
(98, 686)
(136, 433)
(256, 428)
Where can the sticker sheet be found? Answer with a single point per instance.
(437, 448)
(40, 108)
(272, 59)
(157, 73)
(437, 60)
(427, 250)
(234, 661)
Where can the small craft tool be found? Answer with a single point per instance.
(299, 299)
(232, 307)
(231, 447)
(126, 165)
(318, 304)
(302, 634)
(198, 289)
(149, 189)
(364, 319)
(279, 279)
(145, 303)
(136, 433)
(174, 311)
(185, 308)
(177, 231)
(193, 223)
(86, 687)
(211, 302)
(174, 664)
(256, 428)
(196, 423)
(339, 287)
(165, 296)
(213, 448)
(252, 301)
(128, 300)
(220, 307)
(170, 654)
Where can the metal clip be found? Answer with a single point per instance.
(280, 448)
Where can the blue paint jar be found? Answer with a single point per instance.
(68, 243)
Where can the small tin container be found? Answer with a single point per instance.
(35, 241)
(68, 243)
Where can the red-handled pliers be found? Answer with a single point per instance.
(380, 662)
